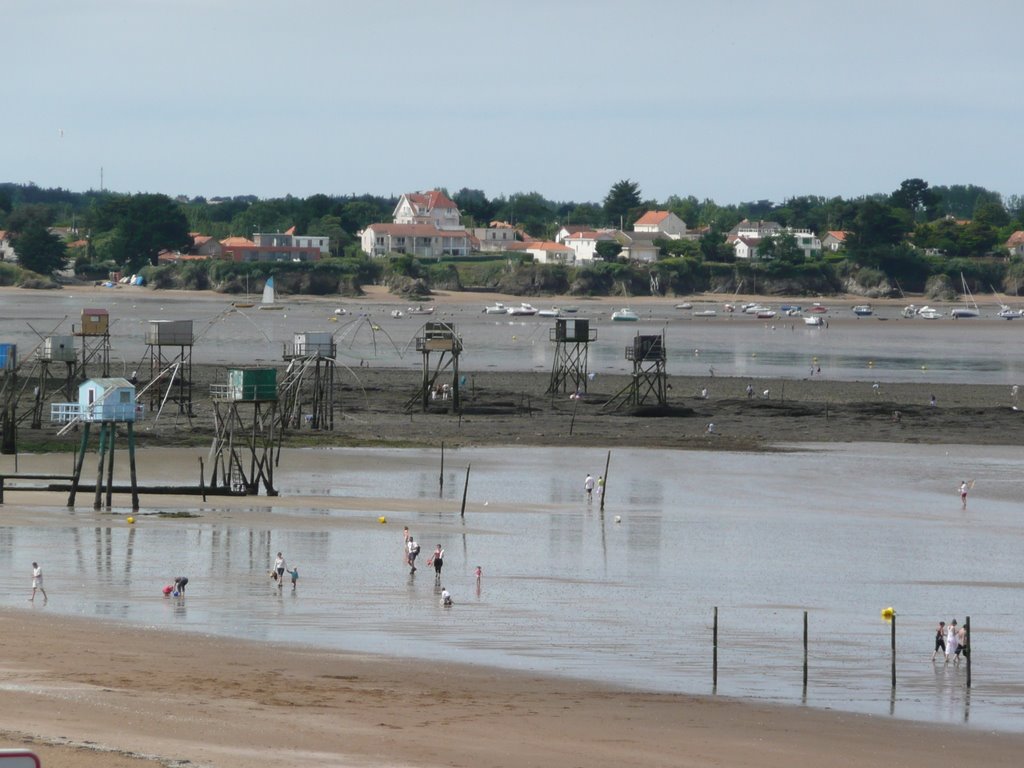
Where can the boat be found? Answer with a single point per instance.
(765, 313)
(684, 305)
(705, 313)
(625, 315)
(815, 321)
(818, 309)
(553, 312)
(863, 310)
(569, 310)
(1007, 313)
(929, 313)
(523, 310)
(909, 311)
(970, 308)
(397, 313)
(497, 308)
(419, 309)
(341, 311)
(755, 309)
(270, 296)
(243, 304)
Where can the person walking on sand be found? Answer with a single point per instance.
(37, 583)
(961, 644)
(940, 640)
(600, 486)
(414, 549)
(279, 568)
(294, 573)
(405, 544)
(437, 560)
(951, 640)
(588, 486)
(963, 494)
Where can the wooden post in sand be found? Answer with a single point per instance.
(805, 651)
(440, 478)
(893, 644)
(714, 652)
(465, 489)
(604, 488)
(202, 478)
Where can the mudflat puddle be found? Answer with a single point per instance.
(627, 595)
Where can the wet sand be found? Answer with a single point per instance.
(84, 694)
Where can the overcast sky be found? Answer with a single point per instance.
(733, 100)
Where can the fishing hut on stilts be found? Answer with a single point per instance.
(439, 338)
(94, 333)
(169, 352)
(54, 351)
(572, 339)
(649, 383)
(108, 402)
(306, 394)
(245, 420)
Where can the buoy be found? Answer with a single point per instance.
(131, 520)
(486, 503)
(871, 363)
(888, 613)
(382, 519)
(618, 518)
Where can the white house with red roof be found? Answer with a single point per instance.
(584, 242)
(421, 240)
(1015, 243)
(834, 240)
(433, 207)
(664, 223)
(548, 252)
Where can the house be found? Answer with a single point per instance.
(420, 240)
(205, 245)
(584, 242)
(665, 223)
(1015, 244)
(499, 236)
(834, 240)
(748, 228)
(639, 246)
(243, 249)
(6, 249)
(746, 247)
(548, 252)
(288, 239)
(434, 208)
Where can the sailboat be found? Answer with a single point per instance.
(966, 310)
(247, 302)
(269, 296)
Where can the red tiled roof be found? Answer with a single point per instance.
(435, 198)
(838, 234)
(198, 239)
(233, 242)
(547, 245)
(651, 218)
(290, 230)
(1017, 238)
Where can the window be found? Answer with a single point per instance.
(124, 396)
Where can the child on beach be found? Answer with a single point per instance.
(37, 582)
(294, 573)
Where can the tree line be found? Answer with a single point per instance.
(903, 237)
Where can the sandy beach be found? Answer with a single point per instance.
(85, 693)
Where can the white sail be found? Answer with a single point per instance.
(268, 291)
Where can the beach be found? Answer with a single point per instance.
(89, 691)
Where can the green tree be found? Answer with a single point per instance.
(139, 227)
(39, 250)
(875, 225)
(781, 248)
(621, 201)
(330, 226)
(608, 250)
(915, 196)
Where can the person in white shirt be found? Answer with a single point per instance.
(588, 486)
(37, 582)
(446, 597)
(279, 568)
(413, 549)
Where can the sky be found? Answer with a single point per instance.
(732, 100)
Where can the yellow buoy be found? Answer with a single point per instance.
(382, 519)
(131, 520)
(888, 613)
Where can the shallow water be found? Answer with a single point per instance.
(980, 351)
(838, 531)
